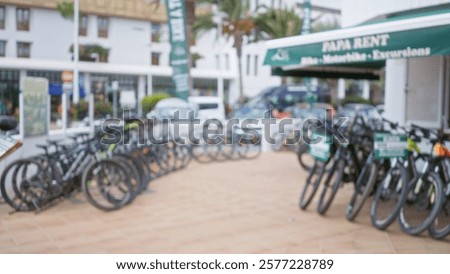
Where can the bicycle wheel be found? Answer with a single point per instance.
(363, 187)
(187, 152)
(424, 198)
(200, 153)
(331, 185)
(106, 184)
(140, 162)
(24, 185)
(133, 174)
(304, 158)
(389, 197)
(251, 149)
(440, 227)
(312, 183)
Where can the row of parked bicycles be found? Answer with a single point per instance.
(237, 143)
(110, 175)
(385, 161)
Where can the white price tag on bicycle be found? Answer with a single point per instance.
(388, 145)
(320, 150)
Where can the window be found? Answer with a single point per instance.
(256, 65)
(23, 19)
(2, 17)
(217, 61)
(83, 27)
(156, 32)
(23, 50)
(248, 64)
(103, 25)
(227, 61)
(155, 58)
(2, 48)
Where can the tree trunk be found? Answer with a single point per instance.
(238, 46)
(190, 19)
(284, 80)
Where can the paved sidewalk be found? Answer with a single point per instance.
(233, 207)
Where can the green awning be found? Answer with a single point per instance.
(356, 47)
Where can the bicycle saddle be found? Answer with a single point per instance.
(7, 123)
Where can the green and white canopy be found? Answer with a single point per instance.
(359, 52)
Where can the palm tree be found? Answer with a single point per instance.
(237, 24)
(277, 23)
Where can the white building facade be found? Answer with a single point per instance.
(417, 90)
(35, 40)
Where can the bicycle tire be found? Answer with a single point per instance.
(302, 152)
(366, 181)
(326, 200)
(133, 174)
(312, 183)
(395, 182)
(200, 154)
(36, 186)
(103, 200)
(436, 229)
(423, 224)
(187, 150)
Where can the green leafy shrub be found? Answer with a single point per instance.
(149, 102)
(83, 109)
(102, 108)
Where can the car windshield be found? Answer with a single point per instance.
(305, 113)
(256, 113)
(169, 112)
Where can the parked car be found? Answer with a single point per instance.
(167, 108)
(305, 111)
(209, 107)
(278, 98)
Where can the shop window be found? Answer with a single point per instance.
(23, 50)
(23, 19)
(2, 17)
(156, 56)
(83, 27)
(103, 26)
(9, 93)
(2, 48)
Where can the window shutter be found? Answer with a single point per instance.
(423, 104)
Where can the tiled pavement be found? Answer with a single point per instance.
(233, 207)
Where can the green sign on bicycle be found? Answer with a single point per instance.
(390, 145)
(321, 150)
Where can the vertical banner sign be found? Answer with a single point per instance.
(306, 27)
(179, 53)
(35, 106)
